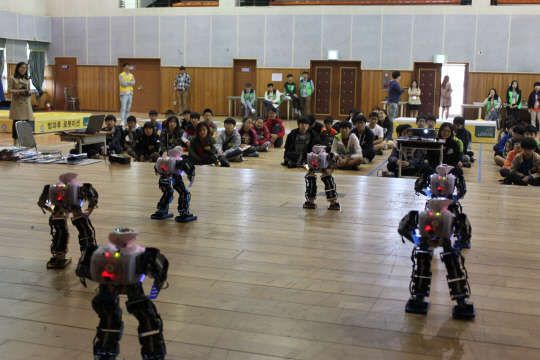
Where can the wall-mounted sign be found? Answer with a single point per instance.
(132, 68)
(65, 66)
(246, 69)
(277, 77)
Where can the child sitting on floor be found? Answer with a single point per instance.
(525, 169)
(131, 133)
(248, 137)
(153, 114)
(530, 132)
(191, 128)
(365, 137)
(330, 132)
(114, 140)
(411, 159)
(346, 148)
(228, 144)
(202, 149)
(207, 115)
(147, 146)
(172, 137)
(505, 170)
(263, 135)
(299, 143)
(515, 132)
(465, 136)
(186, 119)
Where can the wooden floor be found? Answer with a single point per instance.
(258, 277)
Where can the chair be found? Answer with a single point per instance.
(26, 138)
(71, 100)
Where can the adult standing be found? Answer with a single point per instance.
(513, 100)
(181, 89)
(394, 93)
(446, 96)
(21, 106)
(414, 99)
(534, 103)
(127, 80)
(306, 89)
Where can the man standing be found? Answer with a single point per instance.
(394, 93)
(181, 87)
(126, 93)
(306, 89)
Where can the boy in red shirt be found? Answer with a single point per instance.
(276, 128)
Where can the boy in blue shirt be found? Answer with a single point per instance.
(394, 93)
(153, 120)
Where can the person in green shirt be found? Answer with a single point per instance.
(290, 91)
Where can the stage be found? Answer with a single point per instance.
(45, 122)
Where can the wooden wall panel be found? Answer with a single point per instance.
(264, 76)
(98, 88)
(209, 89)
(372, 93)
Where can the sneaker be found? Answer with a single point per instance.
(217, 164)
(264, 150)
(468, 165)
(356, 167)
(253, 111)
(385, 147)
(380, 152)
(292, 165)
(255, 154)
(366, 161)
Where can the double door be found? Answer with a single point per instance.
(337, 88)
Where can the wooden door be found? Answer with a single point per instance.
(429, 82)
(65, 76)
(337, 88)
(245, 71)
(147, 88)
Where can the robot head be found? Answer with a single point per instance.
(318, 148)
(176, 152)
(443, 169)
(122, 237)
(68, 177)
(439, 205)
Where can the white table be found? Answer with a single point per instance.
(472, 106)
(260, 101)
(401, 106)
(85, 139)
(406, 143)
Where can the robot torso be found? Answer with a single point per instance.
(167, 166)
(65, 195)
(110, 266)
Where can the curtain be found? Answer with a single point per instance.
(37, 65)
(2, 97)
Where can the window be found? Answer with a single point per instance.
(4, 72)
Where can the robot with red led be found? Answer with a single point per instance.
(120, 268)
(171, 168)
(437, 226)
(319, 161)
(61, 199)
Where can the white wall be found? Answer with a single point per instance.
(28, 7)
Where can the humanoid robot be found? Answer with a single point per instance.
(171, 168)
(442, 185)
(120, 268)
(61, 199)
(437, 226)
(319, 161)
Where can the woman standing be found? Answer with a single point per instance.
(534, 103)
(513, 100)
(446, 96)
(414, 99)
(21, 107)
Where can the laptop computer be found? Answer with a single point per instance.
(94, 125)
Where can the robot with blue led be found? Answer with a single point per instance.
(319, 161)
(61, 199)
(170, 168)
(120, 268)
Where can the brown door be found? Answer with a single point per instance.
(147, 88)
(337, 88)
(429, 82)
(65, 76)
(245, 71)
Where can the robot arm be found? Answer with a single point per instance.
(187, 166)
(408, 225)
(461, 187)
(83, 268)
(43, 201)
(155, 265)
(421, 184)
(89, 193)
(463, 230)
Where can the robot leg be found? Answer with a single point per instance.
(167, 197)
(420, 280)
(184, 197)
(457, 282)
(331, 193)
(87, 233)
(150, 324)
(109, 331)
(311, 191)
(60, 241)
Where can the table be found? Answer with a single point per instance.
(85, 139)
(401, 106)
(260, 102)
(472, 106)
(407, 143)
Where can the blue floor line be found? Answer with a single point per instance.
(377, 168)
(480, 164)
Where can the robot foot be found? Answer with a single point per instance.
(184, 218)
(465, 311)
(105, 357)
(462, 245)
(334, 206)
(160, 216)
(154, 357)
(417, 307)
(310, 205)
(55, 263)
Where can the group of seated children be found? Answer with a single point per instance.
(517, 154)
(456, 149)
